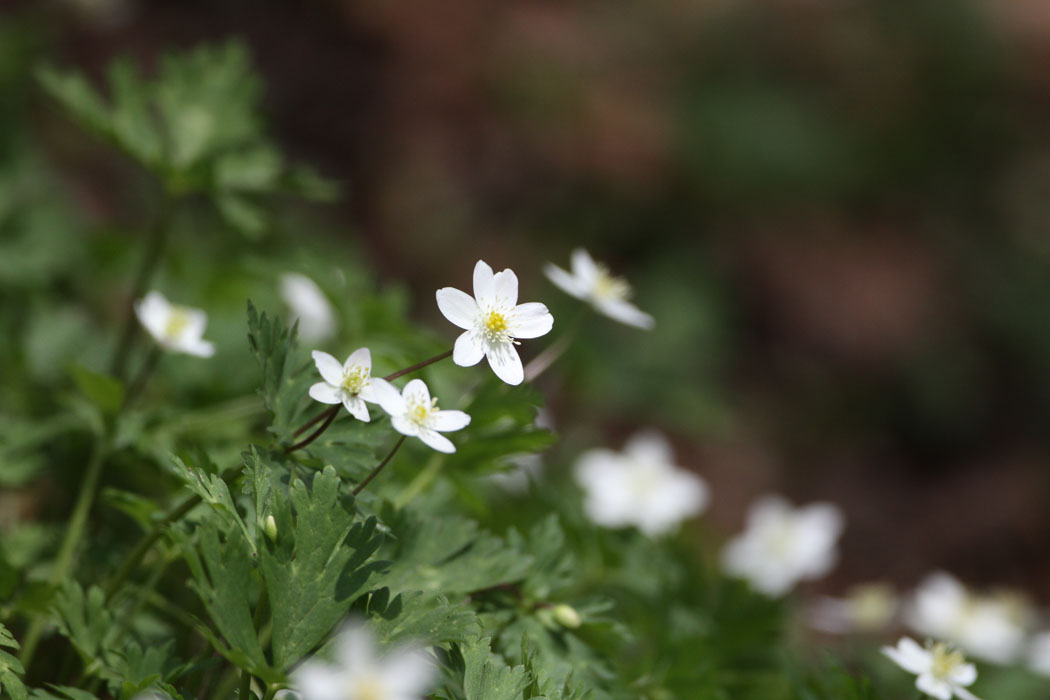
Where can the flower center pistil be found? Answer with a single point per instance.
(368, 688)
(354, 380)
(608, 287)
(177, 323)
(945, 660)
(420, 412)
(494, 326)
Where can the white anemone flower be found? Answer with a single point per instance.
(415, 414)
(783, 545)
(360, 672)
(640, 486)
(310, 306)
(492, 320)
(175, 328)
(869, 607)
(349, 383)
(1039, 654)
(941, 671)
(591, 282)
(989, 627)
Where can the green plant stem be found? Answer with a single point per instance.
(421, 480)
(246, 684)
(145, 371)
(330, 415)
(417, 366)
(375, 472)
(74, 533)
(150, 260)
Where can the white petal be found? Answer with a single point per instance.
(469, 349)
(930, 685)
(530, 320)
(649, 446)
(329, 367)
(193, 328)
(410, 672)
(326, 393)
(355, 648)
(153, 312)
(200, 348)
(484, 284)
(367, 393)
(964, 694)
(356, 407)
(447, 421)
(584, 268)
(436, 440)
(403, 425)
(625, 312)
(309, 304)
(361, 357)
(505, 285)
(416, 391)
(564, 281)
(909, 655)
(504, 361)
(387, 396)
(964, 674)
(318, 681)
(457, 306)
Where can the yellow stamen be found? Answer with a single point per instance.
(368, 689)
(608, 287)
(180, 318)
(945, 660)
(354, 380)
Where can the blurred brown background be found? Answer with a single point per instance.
(837, 211)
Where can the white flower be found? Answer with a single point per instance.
(175, 328)
(941, 671)
(866, 608)
(640, 486)
(415, 414)
(1039, 654)
(360, 673)
(592, 282)
(783, 545)
(990, 627)
(308, 304)
(492, 319)
(350, 383)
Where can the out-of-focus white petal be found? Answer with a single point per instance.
(457, 306)
(410, 672)
(934, 687)
(909, 655)
(309, 305)
(625, 312)
(530, 320)
(153, 312)
(387, 396)
(317, 681)
(197, 347)
(584, 267)
(505, 362)
(326, 393)
(434, 439)
(448, 421)
(564, 281)
(329, 367)
(355, 647)
(468, 350)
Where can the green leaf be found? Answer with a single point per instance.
(84, 618)
(10, 667)
(421, 619)
(102, 390)
(488, 677)
(319, 564)
(285, 384)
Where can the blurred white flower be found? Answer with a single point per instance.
(360, 672)
(349, 383)
(640, 486)
(415, 414)
(783, 545)
(309, 305)
(492, 319)
(592, 282)
(989, 627)
(941, 672)
(1039, 654)
(868, 607)
(175, 328)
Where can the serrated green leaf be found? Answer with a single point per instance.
(421, 619)
(10, 667)
(319, 564)
(284, 384)
(488, 677)
(83, 617)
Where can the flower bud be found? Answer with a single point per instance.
(270, 528)
(567, 616)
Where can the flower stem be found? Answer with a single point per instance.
(150, 259)
(139, 382)
(320, 416)
(331, 414)
(375, 472)
(245, 687)
(419, 365)
(74, 533)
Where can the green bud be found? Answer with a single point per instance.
(270, 528)
(567, 616)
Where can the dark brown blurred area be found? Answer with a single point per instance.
(837, 211)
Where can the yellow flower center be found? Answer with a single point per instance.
(495, 325)
(368, 688)
(945, 660)
(177, 323)
(354, 380)
(419, 412)
(608, 287)
(872, 605)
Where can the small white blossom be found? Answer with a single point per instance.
(592, 282)
(1039, 654)
(941, 672)
(640, 486)
(989, 627)
(175, 328)
(866, 608)
(310, 306)
(350, 383)
(783, 545)
(492, 319)
(415, 414)
(360, 672)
